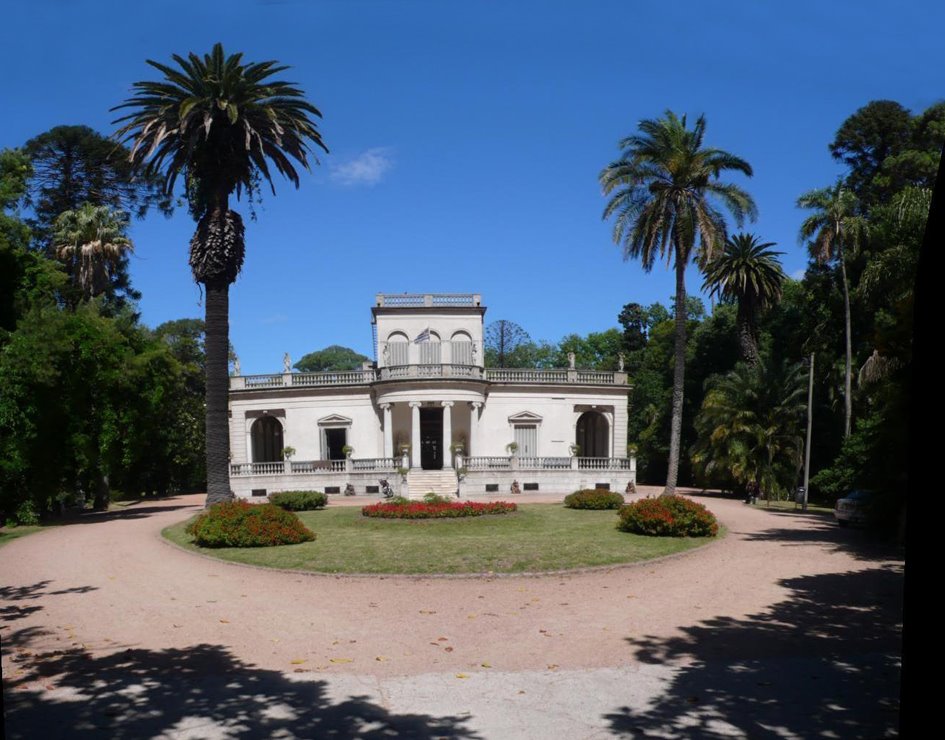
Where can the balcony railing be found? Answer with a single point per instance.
(428, 300)
(315, 467)
(526, 376)
(548, 463)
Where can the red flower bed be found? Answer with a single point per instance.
(448, 510)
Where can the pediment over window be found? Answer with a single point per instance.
(525, 417)
(334, 420)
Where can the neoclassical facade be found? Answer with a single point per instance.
(428, 415)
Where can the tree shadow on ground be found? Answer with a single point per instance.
(862, 544)
(133, 512)
(201, 691)
(823, 662)
(12, 612)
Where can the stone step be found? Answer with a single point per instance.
(440, 482)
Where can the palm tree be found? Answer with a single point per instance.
(750, 425)
(750, 274)
(221, 125)
(833, 230)
(92, 243)
(663, 191)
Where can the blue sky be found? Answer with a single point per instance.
(466, 138)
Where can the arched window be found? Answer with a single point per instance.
(398, 346)
(267, 440)
(430, 350)
(461, 346)
(593, 435)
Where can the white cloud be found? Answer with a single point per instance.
(798, 274)
(368, 168)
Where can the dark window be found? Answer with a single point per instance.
(259, 492)
(373, 489)
(266, 435)
(332, 489)
(531, 486)
(492, 487)
(602, 486)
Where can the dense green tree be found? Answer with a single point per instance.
(501, 340)
(751, 427)
(219, 124)
(92, 243)
(880, 129)
(663, 194)
(748, 273)
(72, 165)
(833, 230)
(334, 358)
(596, 351)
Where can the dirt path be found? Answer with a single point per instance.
(778, 587)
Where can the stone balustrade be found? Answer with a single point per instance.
(315, 467)
(527, 376)
(548, 463)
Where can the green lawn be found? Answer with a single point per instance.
(8, 534)
(812, 508)
(535, 538)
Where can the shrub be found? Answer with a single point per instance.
(299, 500)
(448, 510)
(593, 498)
(668, 516)
(242, 524)
(432, 498)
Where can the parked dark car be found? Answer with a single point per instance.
(854, 508)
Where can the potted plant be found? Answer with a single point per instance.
(512, 448)
(575, 450)
(631, 449)
(287, 452)
(347, 450)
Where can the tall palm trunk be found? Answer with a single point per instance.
(679, 375)
(216, 255)
(848, 369)
(218, 381)
(747, 333)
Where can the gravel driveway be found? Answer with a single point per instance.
(788, 627)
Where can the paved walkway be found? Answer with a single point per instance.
(788, 627)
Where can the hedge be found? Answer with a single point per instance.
(593, 498)
(667, 516)
(242, 524)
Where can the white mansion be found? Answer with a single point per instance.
(427, 415)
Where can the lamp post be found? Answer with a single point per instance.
(810, 416)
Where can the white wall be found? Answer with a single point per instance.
(556, 431)
(300, 415)
(445, 324)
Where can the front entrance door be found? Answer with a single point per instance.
(431, 439)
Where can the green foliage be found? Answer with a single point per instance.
(91, 241)
(501, 340)
(593, 498)
(241, 524)
(667, 516)
(750, 427)
(334, 359)
(665, 197)
(299, 500)
(25, 515)
(433, 498)
(214, 105)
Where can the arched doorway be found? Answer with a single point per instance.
(266, 434)
(593, 435)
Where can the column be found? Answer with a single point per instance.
(447, 434)
(388, 431)
(473, 443)
(415, 434)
